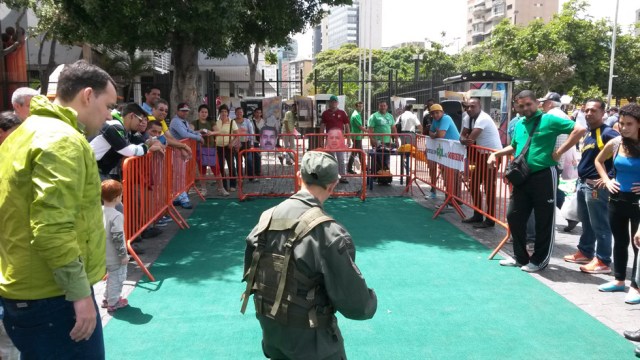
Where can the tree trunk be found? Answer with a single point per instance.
(252, 60)
(185, 58)
(51, 65)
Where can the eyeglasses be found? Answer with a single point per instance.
(138, 117)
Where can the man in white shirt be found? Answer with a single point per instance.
(409, 124)
(478, 128)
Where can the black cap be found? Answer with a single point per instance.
(553, 96)
(133, 108)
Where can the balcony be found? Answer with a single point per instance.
(477, 30)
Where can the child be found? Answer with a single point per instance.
(117, 257)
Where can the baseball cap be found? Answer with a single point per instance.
(553, 96)
(333, 98)
(436, 107)
(133, 108)
(319, 168)
(183, 107)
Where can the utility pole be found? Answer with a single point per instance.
(613, 54)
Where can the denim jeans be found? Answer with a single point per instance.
(40, 329)
(593, 212)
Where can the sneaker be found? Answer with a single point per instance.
(281, 159)
(105, 304)
(289, 162)
(571, 224)
(164, 220)
(232, 189)
(223, 192)
(510, 262)
(186, 205)
(577, 258)
(343, 181)
(161, 224)
(151, 233)
(611, 286)
(119, 305)
(531, 267)
(632, 298)
(596, 266)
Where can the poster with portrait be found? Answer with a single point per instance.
(304, 106)
(231, 102)
(272, 110)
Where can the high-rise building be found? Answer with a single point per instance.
(637, 20)
(359, 23)
(484, 15)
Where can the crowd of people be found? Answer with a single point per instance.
(56, 202)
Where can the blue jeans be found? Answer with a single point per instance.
(40, 329)
(593, 212)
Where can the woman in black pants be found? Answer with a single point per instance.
(225, 145)
(625, 193)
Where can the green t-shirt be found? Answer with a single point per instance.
(544, 138)
(356, 123)
(381, 124)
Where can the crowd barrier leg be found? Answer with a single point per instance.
(452, 181)
(138, 261)
(501, 244)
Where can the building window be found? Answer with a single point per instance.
(509, 7)
(538, 4)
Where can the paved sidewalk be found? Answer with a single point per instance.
(564, 278)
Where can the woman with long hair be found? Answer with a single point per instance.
(623, 202)
(225, 146)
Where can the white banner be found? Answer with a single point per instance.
(449, 153)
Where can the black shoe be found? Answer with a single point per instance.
(151, 232)
(176, 203)
(343, 181)
(632, 335)
(138, 250)
(473, 219)
(485, 224)
(571, 224)
(351, 172)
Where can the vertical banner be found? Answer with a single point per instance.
(449, 153)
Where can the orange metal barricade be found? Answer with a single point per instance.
(398, 163)
(183, 177)
(479, 187)
(279, 175)
(146, 196)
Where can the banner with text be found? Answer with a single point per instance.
(449, 153)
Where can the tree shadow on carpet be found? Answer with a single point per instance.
(213, 248)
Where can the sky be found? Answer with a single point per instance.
(415, 20)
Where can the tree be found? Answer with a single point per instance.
(127, 67)
(271, 24)
(549, 70)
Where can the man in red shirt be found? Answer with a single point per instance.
(333, 118)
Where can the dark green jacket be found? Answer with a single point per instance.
(327, 250)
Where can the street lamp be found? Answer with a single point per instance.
(416, 59)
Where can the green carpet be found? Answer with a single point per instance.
(439, 297)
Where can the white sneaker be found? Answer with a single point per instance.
(232, 189)
(510, 262)
(223, 192)
(531, 267)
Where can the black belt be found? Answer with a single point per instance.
(629, 197)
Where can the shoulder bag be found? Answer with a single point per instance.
(518, 170)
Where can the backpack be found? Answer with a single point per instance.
(283, 267)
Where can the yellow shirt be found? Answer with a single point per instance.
(165, 128)
(224, 129)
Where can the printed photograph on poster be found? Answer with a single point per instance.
(335, 140)
(268, 138)
(272, 110)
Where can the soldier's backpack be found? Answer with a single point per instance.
(274, 277)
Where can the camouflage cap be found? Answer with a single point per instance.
(319, 168)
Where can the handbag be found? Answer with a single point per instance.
(518, 170)
(208, 156)
(570, 208)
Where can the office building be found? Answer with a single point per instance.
(484, 15)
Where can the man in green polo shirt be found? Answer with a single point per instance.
(538, 192)
(382, 122)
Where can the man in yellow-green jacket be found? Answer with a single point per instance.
(52, 243)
